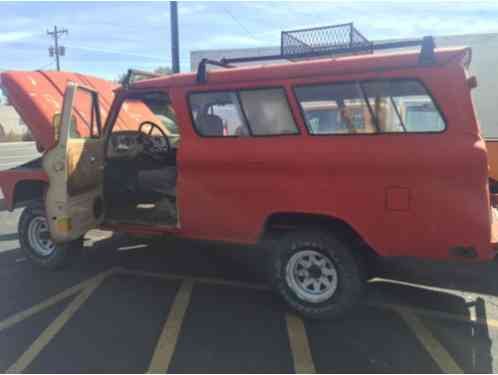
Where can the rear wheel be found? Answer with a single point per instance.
(316, 274)
(34, 236)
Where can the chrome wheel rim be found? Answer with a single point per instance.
(312, 276)
(39, 237)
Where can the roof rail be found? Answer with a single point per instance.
(132, 74)
(325, 41)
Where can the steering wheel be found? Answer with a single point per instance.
(145, 138)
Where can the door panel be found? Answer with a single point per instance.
(74, 202)
(84, 161)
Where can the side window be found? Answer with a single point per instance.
(268, 112)
(335, 109)
(84, 115)
(218, 114)
(403, 106)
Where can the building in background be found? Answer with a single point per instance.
(11, 122)
(483, 66)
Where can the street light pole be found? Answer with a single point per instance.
(173, 6)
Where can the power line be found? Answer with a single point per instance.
(240, 24)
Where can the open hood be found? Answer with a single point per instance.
(37, 96)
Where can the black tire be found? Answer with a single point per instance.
(350, 271)
(61, 256)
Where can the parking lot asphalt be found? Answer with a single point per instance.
(138, 305)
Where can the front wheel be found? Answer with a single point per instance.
(34, 237)
(316, 274)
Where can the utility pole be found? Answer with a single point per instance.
(173, 8)
(56, 50)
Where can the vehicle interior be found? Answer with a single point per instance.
(140, 166)
(218, 114)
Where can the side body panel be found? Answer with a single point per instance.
(228, 187)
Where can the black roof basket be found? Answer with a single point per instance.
(133, 74)
(326, 41)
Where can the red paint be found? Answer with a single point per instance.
(229, 187)
(9, 179)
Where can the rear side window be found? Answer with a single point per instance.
(257, 112)
(388, 106)
(268, 112)
(335, 109)
(403, 106)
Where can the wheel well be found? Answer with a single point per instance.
(280, 223)
(28, 190)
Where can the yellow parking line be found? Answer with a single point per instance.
(203, 280)
(440, 314)
(166, 344)
(20, 316)
(300, 348)
(51, 331)
(440, 355)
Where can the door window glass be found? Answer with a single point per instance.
(84, 115)
(218, 114)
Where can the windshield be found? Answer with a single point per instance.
(151, 107)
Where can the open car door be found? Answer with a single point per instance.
(74, 199)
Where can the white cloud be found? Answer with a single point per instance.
(14, 36)
(186, 8)
(227, 41)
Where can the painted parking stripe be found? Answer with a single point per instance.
(440, 314)
(204, 280)
(166, 344)
(51, 331)
(20, 316)
(215, 281)
(438, 353)
(453, 291)
(300, 347)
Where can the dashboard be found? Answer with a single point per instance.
(130, 144)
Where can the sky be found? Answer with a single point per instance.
(107, 38)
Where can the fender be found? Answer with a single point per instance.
(10, 179)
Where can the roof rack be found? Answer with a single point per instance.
(133, 74)
(202, 71)
(336, 40)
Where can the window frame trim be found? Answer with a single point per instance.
(294, 87)
(237, 92)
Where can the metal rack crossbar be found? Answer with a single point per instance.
(326, 41)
